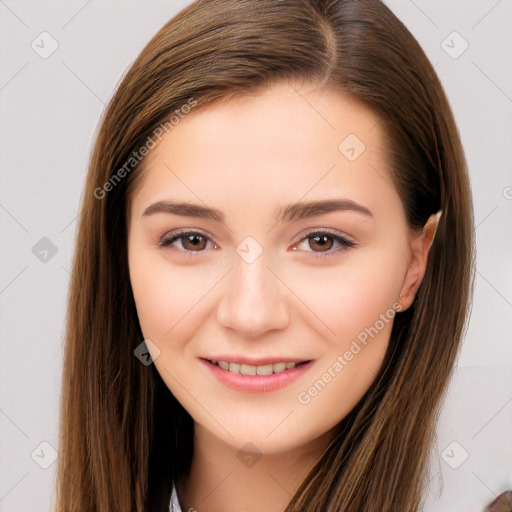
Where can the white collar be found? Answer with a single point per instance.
(174, 506)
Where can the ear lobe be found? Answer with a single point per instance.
(420, 247)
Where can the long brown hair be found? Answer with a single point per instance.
(124, 438)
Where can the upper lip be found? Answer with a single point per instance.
(256, 361)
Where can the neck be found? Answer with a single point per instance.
(225, 479)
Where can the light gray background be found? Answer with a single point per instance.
(50, 110)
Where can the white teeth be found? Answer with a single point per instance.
(250, 369)
(279, 367)
(266, 369)
(234, 367)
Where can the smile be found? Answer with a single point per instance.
(256, 378)
(251, 369)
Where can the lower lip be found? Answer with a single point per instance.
(256, 383)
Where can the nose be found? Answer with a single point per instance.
(253, 302)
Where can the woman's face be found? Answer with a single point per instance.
(232, 260)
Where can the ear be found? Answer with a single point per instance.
(420, 247)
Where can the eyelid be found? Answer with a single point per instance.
(325, 231)
(186, 231)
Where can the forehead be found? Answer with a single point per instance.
(284, 141)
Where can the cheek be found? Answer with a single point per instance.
(167, 299)
(350, 297)
(358, 302)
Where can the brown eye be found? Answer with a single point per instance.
(193, 242)
(190, 241)
(321, 242)
(324, 243)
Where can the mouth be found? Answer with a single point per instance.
(243, 376)
(240, 368)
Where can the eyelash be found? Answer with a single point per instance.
(168, 239)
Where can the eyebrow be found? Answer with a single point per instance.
(290, 213)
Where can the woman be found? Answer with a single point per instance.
(278, 205)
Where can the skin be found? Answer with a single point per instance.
(247, 157)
